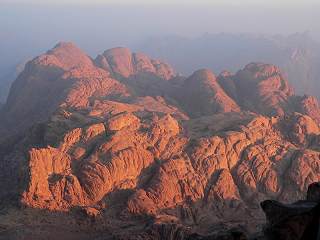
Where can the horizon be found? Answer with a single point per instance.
(105, 24)
(167, 2)
(33, 26)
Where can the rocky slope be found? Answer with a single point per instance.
(123, 144)
(202, 95)
(67, 76)
(297, 54)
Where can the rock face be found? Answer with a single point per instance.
(262, 88)
(137, 153)
(309, 105)
(122, 62)
(64, 75)
(67, 76)
(202, 95)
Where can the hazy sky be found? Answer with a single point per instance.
(29, 27)
(161, 2)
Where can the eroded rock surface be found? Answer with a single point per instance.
(127, 144)
(202, 95)
(122, 62)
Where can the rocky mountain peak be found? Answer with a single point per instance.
(202, 94)
(111, 143)
(262, 87)
(203, 75)
(68, 55)
(123, 63)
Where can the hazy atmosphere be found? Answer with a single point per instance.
(159, 119)
(29, 27)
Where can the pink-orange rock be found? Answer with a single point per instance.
(122, 62)
(63, 76)
(202, 95)
(223, 188)
(309, 105)
(115, 139)
(263, 88)
(226, 81)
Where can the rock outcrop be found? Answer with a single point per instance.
(187, 158)
(122, 62)
(309, 105)
(64, 75)
(263, 88)
(202, 95)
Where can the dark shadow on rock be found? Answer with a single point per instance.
(296, 221)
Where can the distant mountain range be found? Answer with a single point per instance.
(298, 55)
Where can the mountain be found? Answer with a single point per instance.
(121, 147)
(298, 55)
(202, 95)
(121, 62)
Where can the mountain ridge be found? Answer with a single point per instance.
(126, 141)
